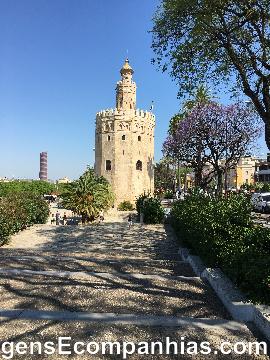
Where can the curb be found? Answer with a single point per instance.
(231, 297)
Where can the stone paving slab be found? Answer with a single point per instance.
(43, 331)
(109, 238)
(41, 262)
(188, 297)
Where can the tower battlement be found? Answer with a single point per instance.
(103, 114)
(124, 148)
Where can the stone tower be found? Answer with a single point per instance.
(124, 146)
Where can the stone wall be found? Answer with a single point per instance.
(137, 127)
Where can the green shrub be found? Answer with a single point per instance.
(125, 206)
(151, 208)
(221, 232)
(20, 210)
(168, 194)
(139, 203)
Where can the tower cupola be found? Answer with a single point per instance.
(126, 89)
(126, 69)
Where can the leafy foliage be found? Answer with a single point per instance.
(222, 233)
(34, 186)
(19, 210)
(125, 206)
(164, 174)
(88, 195)
(168, 194)
(257, 187)
(151, 209)
(217, 41)
(139, 203)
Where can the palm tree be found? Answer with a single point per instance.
(201, 96)
(88, 196)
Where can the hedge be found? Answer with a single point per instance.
(19, 210)
(151, 208)
(125, 206)
(34, 186)
(221, 232)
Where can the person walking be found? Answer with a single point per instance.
(52, 219)
(57, 218)
(129, 221)
(65, 219)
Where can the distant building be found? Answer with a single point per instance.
(64, 180)
(5, 179)
(43, 173)
(244, 172)
(262, 173)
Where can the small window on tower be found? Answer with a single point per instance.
(139, 138)
(108, 165)
(139, 165)
(123, 152)
(123, 137)
(109, 138)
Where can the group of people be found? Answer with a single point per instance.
(58, 220)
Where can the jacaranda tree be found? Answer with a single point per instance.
(213, 134)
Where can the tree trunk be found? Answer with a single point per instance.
(198, 177)
(179, 175)
(84, 218)
(219, 183)
(267, 133)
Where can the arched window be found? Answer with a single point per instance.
(109, 138)
(139, 138)
(123, 137)
(108, 165)
(139, 165)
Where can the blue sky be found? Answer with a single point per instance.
(59, 63)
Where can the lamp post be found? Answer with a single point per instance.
(179, 175)
(94, 151)
(226, 159)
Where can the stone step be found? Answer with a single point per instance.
(91, 253)
(121, 293)
(77, 263)
(89, 275)
(30, 326)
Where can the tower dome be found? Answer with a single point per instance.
(126, 68)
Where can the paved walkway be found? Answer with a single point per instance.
(108, 283)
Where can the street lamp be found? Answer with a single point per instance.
(94, 150)
(226, 158)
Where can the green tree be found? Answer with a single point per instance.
(201, 95)
(164, 174)
(34, 186)
(217, 41)
(88, 195)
